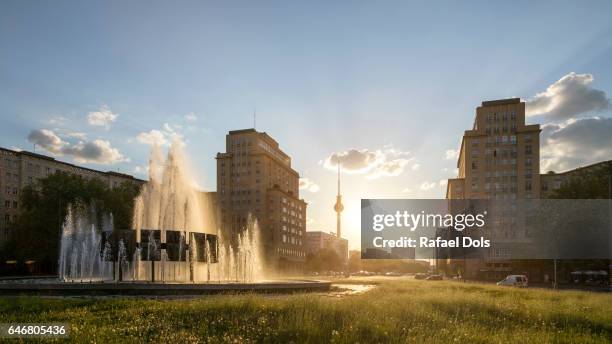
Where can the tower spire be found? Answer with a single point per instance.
(338, 178)
(338, 207)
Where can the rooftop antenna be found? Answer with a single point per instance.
(338, 207)
(338, 178)
(255, 118)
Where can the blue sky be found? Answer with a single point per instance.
(395, 79)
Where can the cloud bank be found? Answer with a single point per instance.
(308, 185)
(568, 97)
(386, 162)
(575, 142)
(165, 136)
(96, 151)
(102, 118)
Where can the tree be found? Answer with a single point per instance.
(591, 183)
(325, 259)
(36, 234)
(355, 264)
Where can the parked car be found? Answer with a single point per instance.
(434, 278)
(514, 281)
(421, 276)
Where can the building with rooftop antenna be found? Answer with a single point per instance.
(255, 177)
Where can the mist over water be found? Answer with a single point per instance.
(168, 205)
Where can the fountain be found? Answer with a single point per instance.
(175, 238)
(175, 246)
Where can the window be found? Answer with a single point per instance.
(513, 139)
(528, 185)
(528, 149)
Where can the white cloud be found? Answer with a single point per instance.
(102, 118)
(96, 151)
(428, 185)
(309, 185)
(431, 185)
(191, 117)
(407, 190)
(76, 135)
(415, 167)
(153, 137)
(389, 169)
(47, 140)
(451, 154)
(58, 120)
(168, 134)
(575, 142)
(354, 160)
(386, 162)
(570, 96)
(143, 170)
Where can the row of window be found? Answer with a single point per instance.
(7, 204)
(501, 162)
(7, 219)
(291, 252)
(293, 230)
(502, 115)
(289, 239)
(501, 130)
(511, 187)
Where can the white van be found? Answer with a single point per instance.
(514, 281)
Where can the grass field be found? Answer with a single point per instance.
(397, 310)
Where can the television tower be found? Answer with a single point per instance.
(338, 207)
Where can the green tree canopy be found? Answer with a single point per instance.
(44, 204)
(591, 183)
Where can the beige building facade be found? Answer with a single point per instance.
(255, 178)
(318, 240)
(499, 159)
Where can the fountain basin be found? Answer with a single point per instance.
(57, 288)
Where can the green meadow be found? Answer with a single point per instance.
(396, 310)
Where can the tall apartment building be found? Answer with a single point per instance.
(254, 177)
(499, 159)
(20, 168)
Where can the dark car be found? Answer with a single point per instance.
(434, 278)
